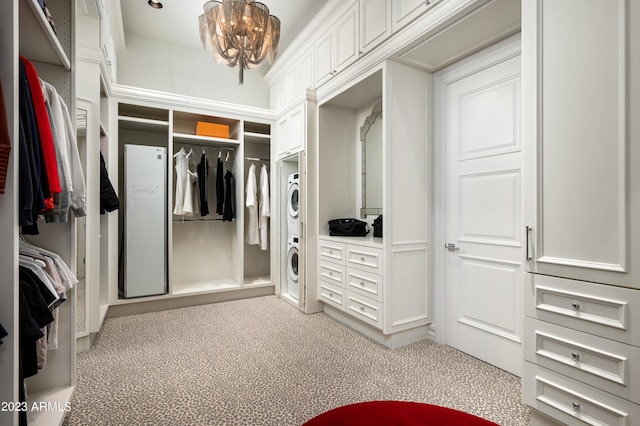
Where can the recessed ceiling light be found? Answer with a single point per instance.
(155, 4)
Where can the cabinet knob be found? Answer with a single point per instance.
(362, 308)
(331, 295)
(330, 274)
(330, 252)
(362, 259)
(575, 306)
(362, 283)
(427, 2)
(575, 356)
(576, 406)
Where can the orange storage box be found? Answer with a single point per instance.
(212, 129)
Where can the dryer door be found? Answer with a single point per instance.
(293, 204)
(292, 263)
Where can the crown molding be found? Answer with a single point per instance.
(181, 102)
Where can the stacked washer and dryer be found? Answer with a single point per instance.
(293, 233)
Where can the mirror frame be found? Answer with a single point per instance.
(376, 112)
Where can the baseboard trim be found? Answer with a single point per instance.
(395, 340)
(141, 307)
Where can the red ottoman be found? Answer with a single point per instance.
(398, 413)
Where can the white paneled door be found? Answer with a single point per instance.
(483, 211)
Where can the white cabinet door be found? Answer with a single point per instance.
(324, 58)
(290, 132)
(346, 49)
(375, 23)
(338, 48)
(580, 98)
(405, 11)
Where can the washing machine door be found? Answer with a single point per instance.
(293, 204)
(292, 263)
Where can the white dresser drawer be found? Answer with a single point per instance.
(331, 272)
(332, 295)
(364, 308)
(604, 310)
(575, 403)
(599, 362)
(331, 251)
(365, 283)
(364, 258)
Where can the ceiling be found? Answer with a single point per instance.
(177, 21)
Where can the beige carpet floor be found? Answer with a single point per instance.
(262, 362)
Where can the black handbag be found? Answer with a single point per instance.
(377, 226)
(347, 228)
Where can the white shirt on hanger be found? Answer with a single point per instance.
(264, 209)
(253, 235)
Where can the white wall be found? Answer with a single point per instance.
(157, 65)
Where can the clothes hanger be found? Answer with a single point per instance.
(226, 160)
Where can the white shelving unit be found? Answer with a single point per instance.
(207, 258)
(24, 31)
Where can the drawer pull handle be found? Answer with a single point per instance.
(575, 356)
(576, 406)
(575, 306)
(362, 308)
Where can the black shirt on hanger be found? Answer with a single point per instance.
(228, 198)
(219, 187)
(203, 173)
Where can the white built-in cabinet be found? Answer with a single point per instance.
(290, 131)
(206, 257)
(379, 286)
(582, 215)
(375, 23)
(338, 48)
(24, 31)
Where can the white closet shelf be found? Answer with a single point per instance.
(258, 138)
(41, 44)
(204, 140)
(202, 287)
(144, 124)
(55, 400)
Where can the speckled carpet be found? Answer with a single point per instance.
(262, 362)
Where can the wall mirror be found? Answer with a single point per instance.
(371, 142)
(81, 234)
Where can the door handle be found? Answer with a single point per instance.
(451, 247)
(528, 257)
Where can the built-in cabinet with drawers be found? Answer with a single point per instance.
(582, 294)
(379, 286)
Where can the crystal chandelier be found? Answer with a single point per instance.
(240, 33)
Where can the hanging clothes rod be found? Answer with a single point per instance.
(257, 159)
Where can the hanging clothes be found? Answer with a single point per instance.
(5, 148)
(3, 333)
(181, 180)
(219, 186)
(203, 174)
(253, 233)
(108, 198)
(227, 215)
(264, 210)
(32, 179)
(44, 130)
